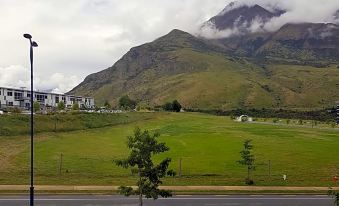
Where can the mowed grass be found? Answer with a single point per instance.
(208, 146)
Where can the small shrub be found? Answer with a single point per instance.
(249, 181)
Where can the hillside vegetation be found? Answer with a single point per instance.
(180, 66)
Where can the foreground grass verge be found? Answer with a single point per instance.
(208, 147)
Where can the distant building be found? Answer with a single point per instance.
(337, 112)
(10, 97)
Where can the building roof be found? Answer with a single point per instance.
(42, 92)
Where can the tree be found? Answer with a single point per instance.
(75, 107)
(176, 106)
(143, 146)
(168, 106)
(248, 160)
(335, 195)
(36, 106)
(126, 102)
(107, 105)
(61, 105)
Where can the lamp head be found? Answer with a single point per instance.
(28, 36)
(34, 44)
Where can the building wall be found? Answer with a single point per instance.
(21, 98)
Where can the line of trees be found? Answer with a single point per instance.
(325, 115)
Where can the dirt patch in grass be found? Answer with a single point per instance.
(12, 146)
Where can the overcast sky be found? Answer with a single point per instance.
(80, 37)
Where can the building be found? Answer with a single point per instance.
(10, 97)
(337, 111)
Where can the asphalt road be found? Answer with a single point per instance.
(104, 200)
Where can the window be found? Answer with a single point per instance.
(18, 95)
(10, 103)
(9, 94)
(45, 96)
(56, 99)
(40, 98)
(28, 94)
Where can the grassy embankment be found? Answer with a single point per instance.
(208, 146)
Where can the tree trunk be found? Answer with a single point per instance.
(140, 189)
(248, 173)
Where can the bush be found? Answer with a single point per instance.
(15, 110)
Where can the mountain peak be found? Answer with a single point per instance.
(236, 15)
(177, 32)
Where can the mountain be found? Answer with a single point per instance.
(304, 43)
(241, 17)
(295, 67)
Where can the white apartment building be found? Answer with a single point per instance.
(10, 97)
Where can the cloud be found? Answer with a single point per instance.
(209, 31)
(17, 76)
(297, 11)
(80, 37)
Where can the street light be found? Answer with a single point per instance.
(31, 189)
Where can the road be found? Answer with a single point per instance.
(232, 200)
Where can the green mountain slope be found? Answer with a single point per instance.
(202, 74)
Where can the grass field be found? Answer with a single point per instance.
(208, 146)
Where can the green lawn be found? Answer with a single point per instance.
(208, 145)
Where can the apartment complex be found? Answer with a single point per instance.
(10, 97)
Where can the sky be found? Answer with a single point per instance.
(80, 37)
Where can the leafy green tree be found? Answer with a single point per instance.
(75, 107)
(107, 105)
(61, 105)
(127, 103)
(335, 195)
(36, 106)
(143, 146)
(176, 106)
(168, 106)
(247, 160)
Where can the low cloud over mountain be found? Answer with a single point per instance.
(242, 17)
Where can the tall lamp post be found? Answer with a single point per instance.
(31, 189)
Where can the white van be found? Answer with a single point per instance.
(1, 112)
